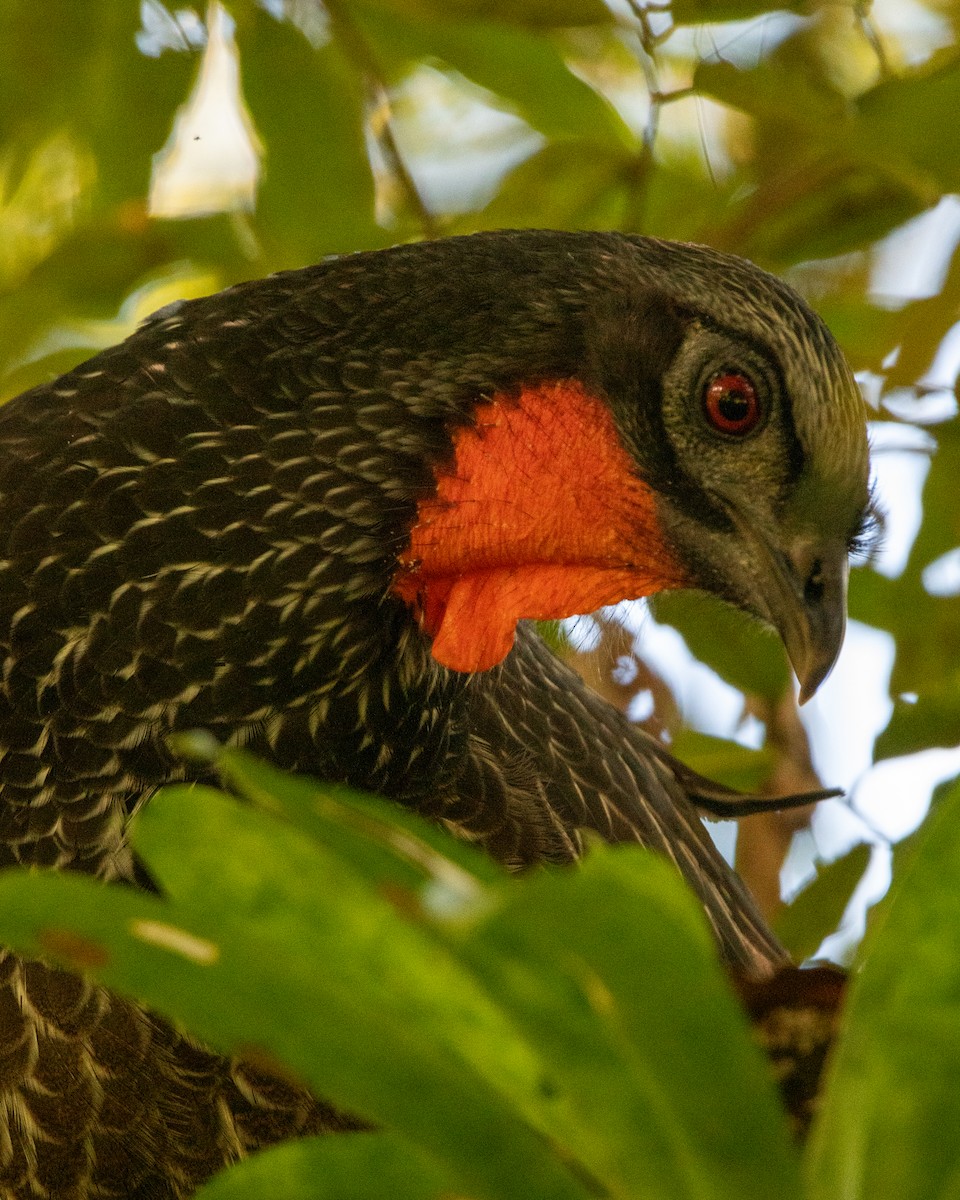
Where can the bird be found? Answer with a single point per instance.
(318, 515)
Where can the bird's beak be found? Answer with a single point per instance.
(803, 594)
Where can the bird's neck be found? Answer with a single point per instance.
(540, 515)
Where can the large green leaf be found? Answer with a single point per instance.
(541, 954)
(907, 120)
(695, 12)
(531, 13)
(265, 927)
(892, 1106)
(523, 69)
(612, 975)
(77, 68)
(747, 656)
(363, 1166)
(816, 912)
(572, 1025)
(316, 196)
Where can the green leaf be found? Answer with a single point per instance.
(825, 202)
(77, 68)
(275, 928)
(886, 1125)
(903, 120)
(817, 911)
(771, 91)
(379, 839)
(316, 196)
(361, 1166)
(526, 70)
(531, 13)
(725, 761)
(728, 641)
(699, 12)
(535, 1057)
(566, 185)
(612, 975)
(933, 719)
(666, 926)
(822, 180)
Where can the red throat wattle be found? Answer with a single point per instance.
(540, 515)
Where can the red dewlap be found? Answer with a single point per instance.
(541, 516)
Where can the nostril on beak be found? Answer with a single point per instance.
(815, 585)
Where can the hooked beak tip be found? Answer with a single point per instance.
(811, 678)
(814, 624)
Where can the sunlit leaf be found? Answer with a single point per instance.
(728, 641)
(317, 195)
(893, 1093)
(531, 13)
(693, 12)
(566, 185)
(566, 955)
(379, 839)
(816, 912)
(525, 70)
(905, 120)
(725, 761)
(276, 928)
(363, 1166)
(534, 1057)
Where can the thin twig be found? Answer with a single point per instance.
(869, 30)
(638, 174)
(356, 47)
(683, 93)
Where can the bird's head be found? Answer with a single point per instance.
(700, 429)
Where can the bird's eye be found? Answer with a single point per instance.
(731, 404)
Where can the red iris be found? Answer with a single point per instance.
(731, 404)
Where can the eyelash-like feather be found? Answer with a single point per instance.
(865, 541)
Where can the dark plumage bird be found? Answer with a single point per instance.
(307, 514)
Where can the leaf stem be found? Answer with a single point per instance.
(359, 50)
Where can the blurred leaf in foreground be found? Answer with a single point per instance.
(563, 1034)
